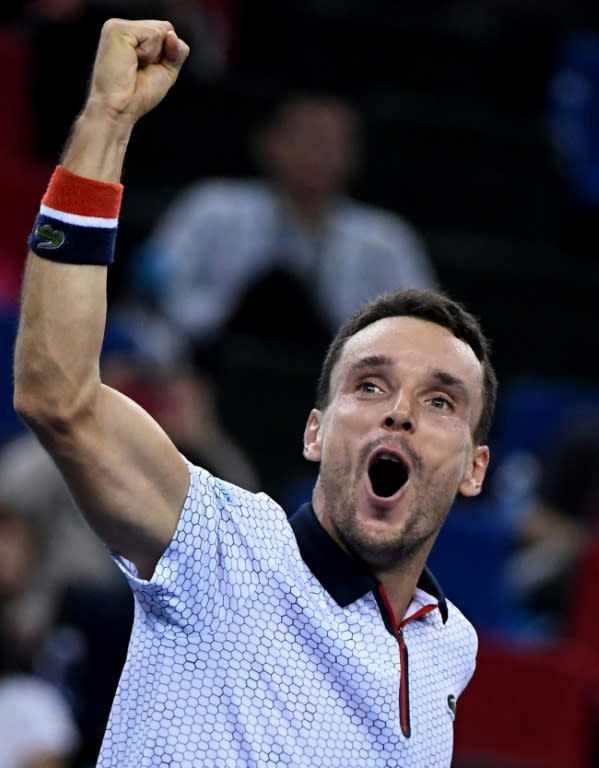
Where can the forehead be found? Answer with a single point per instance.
(306, 115)
(414, 346)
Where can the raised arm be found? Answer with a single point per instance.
(124, 472)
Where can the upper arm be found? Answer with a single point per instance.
(407, 254)
(127, 477)
(198, 233)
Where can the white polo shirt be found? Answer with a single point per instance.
(258, 643)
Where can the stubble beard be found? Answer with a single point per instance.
(379, 551)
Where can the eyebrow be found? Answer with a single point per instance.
(437, 375)
(370, 361)
(449, 381)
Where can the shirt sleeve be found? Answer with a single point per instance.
(187, 572)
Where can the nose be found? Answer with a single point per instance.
(400, 418)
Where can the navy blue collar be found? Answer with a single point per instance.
(342, 576)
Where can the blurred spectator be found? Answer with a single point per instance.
(297, 219)
(36, 726)
(20, 549)
(562, 519)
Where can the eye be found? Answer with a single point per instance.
(369, 387)
(441, 403)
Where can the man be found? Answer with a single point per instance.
(258, 642)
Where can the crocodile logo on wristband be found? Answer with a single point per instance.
(49, 238)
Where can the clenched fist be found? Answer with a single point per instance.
(136, 64)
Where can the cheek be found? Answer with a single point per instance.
(449, 427)
(345, 431)
(451, 446)
(336, 450)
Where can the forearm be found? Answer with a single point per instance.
(96, 148)
(63, 305)
(59, 340)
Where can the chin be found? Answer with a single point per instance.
(374, 539)
(382, 539)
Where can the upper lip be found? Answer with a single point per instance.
(389, 450)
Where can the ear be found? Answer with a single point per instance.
(472, 481)
(313, 436)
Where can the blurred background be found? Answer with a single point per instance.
(312, 154)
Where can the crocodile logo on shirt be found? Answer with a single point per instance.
(49, 239)
(451, 703)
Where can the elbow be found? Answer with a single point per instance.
(27, 397)
(48, 414)
(40, 415)
(29, 408)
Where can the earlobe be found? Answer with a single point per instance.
(312, 436)
(473, 479)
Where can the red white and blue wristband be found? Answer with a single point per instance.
(78, 219)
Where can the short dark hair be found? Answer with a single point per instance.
(289, 99)
(426, 305)
(285, 104)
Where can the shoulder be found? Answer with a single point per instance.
(230, 502)
(224, 195)
(460, 628)
(461, 644)
(372, 222)
(220, 524)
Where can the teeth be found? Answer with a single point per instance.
(390, 457)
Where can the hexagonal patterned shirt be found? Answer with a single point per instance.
(259, 643)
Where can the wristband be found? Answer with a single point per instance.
(77, 221)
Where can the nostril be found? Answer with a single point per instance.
(405, 424)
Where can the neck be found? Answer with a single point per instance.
(399, 580)
(306, 210)
(400, 583)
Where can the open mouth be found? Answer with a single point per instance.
(388, 473)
